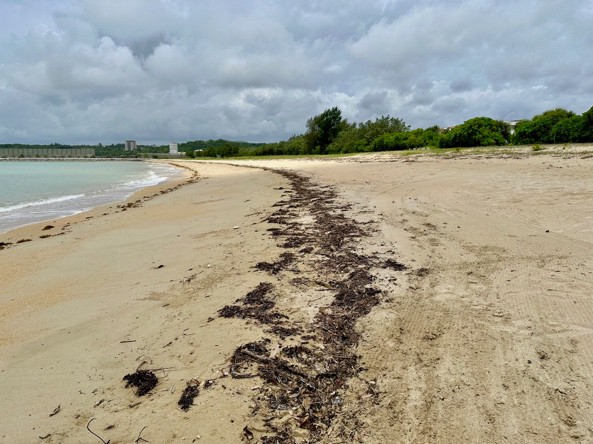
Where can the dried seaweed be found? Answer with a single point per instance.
(394, 265)
(276, 267)
(310, 381)
(255, 305)
(257, 296)
(189, 393)
(284, 332)
(143, 380)
(240, 362)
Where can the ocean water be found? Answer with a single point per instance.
(40, 190)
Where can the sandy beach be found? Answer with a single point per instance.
(374, 298)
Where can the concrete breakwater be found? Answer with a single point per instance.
(32, 153)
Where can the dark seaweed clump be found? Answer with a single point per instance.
(143, 380)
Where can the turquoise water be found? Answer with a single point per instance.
(37, 191)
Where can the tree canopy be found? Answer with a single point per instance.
(540, 129)
(479, 131)
(323, 130)
(359, 137)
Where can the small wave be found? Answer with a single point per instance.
(40, 202)
(152, 179)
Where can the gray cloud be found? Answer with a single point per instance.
(375, 102)
(160, 70)
(461, 84)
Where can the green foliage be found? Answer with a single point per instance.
(479, 131)
(571, 129)
(432, 136)
(226, 149)
(347, 141)
(359, 137)
(537, 147)
(407, 140)
(323, 129)
(390, 142)
(540, 128)
(293, 146)
(587, 126)
(215, 148)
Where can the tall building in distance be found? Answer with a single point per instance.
(173, 148)
(130, 145)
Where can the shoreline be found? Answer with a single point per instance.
(83, 307)
(474, 285)
(29, 230)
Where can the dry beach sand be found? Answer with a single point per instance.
(368, 299)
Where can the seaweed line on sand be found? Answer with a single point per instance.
(302, 394)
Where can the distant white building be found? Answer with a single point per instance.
(130, 145)
(512, 124)
(173, 148)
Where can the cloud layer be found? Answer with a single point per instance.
(162, 70)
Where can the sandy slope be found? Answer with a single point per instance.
(488, 336)
(69, 301)
(484, 338)
(492, 341)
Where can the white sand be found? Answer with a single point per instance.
(491, 343)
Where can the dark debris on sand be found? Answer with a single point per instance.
(255, 305)
(143, 380)
(309, 379)
(189, 393)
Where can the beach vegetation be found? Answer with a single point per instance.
(479, 131)
(323, 129)
(399, 141)
(356, 138)
(328, 133)
(553, 126)
(216, 148)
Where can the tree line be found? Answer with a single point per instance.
(330, 133)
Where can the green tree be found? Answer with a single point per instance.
(432, 136)
(391, 142)
(539, 129)
(479, 131)
(567, 130)
(587, 128)
(401, 140)
(228, 150)
(359, 137)
(369, 131)
(347, 141)
(323, 130)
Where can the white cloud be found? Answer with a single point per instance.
(158, 70)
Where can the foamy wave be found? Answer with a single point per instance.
(37, 203)
(152, 179)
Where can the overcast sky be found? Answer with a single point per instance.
(90, 71)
